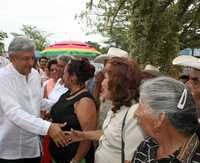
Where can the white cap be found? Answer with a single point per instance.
(151, 67)
(116, 52)
(112, 52)
(187, 61)
(154, 71)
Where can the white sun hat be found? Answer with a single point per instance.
(112, 52)
(101, 58)
(154, 71)
(151, 67)
(187, 61)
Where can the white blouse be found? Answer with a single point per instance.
(58, 90)
(109, 150)
(20, 122)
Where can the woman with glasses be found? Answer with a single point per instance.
(53, 77)
(48, 87)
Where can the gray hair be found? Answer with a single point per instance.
(19, 44)
(164, 94)
(64, 58)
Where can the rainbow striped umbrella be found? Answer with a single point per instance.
(73, 48)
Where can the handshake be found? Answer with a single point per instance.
(63, 138)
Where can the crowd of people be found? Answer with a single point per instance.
(59, 110)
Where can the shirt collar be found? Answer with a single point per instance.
(123, 107)
(19, 74)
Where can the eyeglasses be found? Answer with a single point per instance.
(195, 80)
(53, 70)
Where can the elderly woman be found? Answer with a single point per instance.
(120, 86)
(77, 108)
(167, 113)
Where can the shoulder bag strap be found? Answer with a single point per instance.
(122, 140)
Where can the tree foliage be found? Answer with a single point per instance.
(40, 37)
(98, 47)
(3, 35)
(153, 31)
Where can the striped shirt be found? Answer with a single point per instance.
(146, 152)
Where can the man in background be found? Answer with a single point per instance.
(42, 68)
(194, 75)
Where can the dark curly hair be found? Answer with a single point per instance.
(124, 80)
(51, 62)
(82, 69)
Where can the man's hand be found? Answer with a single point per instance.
(56, 133)
(45, 114)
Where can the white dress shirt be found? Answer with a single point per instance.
(109, 149)
(3, 61)
(20, 122)
(43, 76)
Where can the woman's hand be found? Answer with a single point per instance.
(74, 136)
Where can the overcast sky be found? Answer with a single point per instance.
(52, 16)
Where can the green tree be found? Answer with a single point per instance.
(153, 31)
(98, 47)
(40, 37)
(3, 35)
(190, 32)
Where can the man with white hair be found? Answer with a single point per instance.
(194, 74)
(20, 103)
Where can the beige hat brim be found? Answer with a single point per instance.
(187, 61)
(101, 58)
(153, 73)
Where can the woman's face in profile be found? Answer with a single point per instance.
(105, 93)
(66, 77)
(145, 118)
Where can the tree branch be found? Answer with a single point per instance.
(121, 4)
(165, 4)
(183, 7)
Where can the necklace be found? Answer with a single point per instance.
(188, 148)
(72, 94)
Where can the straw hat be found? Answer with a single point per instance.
(112, 52)
(152, 70)
(187, 61)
